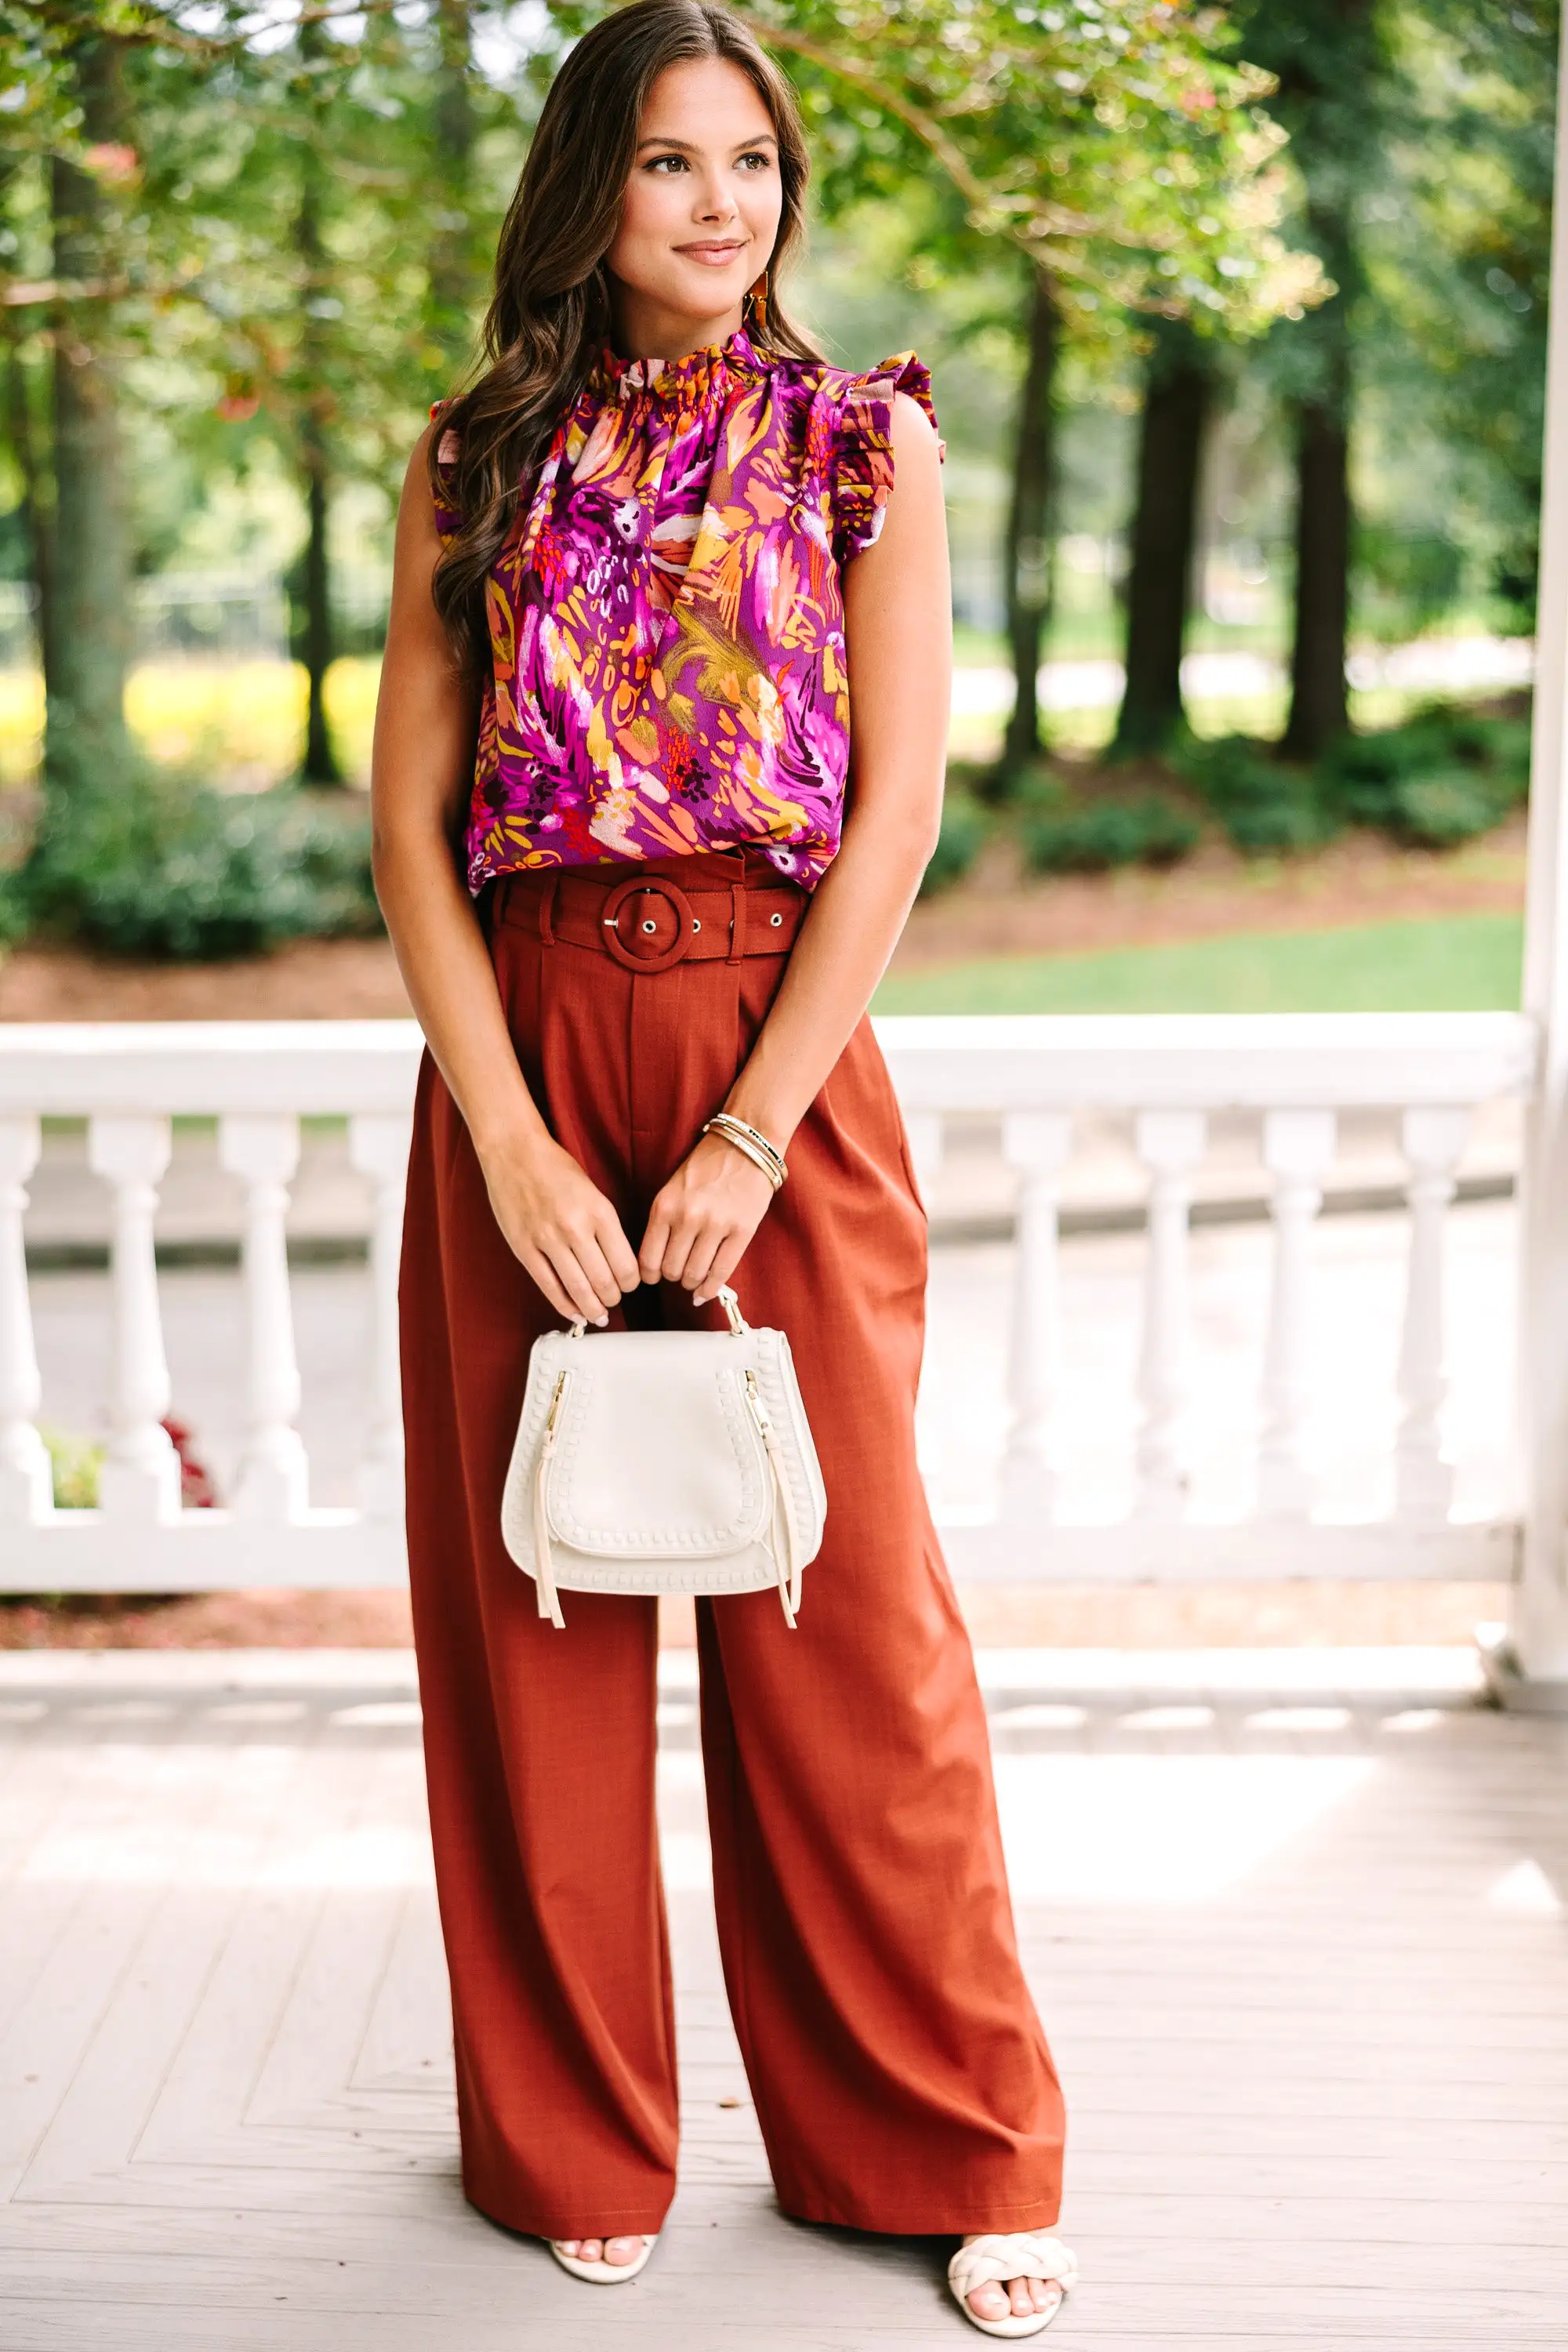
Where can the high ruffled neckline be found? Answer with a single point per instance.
(684, 382)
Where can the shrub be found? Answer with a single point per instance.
(1150, 831)
(1265, 807)
(1441, 778)
(1438, 812)
(958, 843)
(76, 1465)
(154, 863)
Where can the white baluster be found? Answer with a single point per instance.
(378, 1148)
(924, 1130)
(141, 1479)
(1432, 1141)
(1297, 1149)
(1036, 1143)
(25, 1489)
(273, 1472)
(1169, 1143)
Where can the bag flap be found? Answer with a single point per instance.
(656, 1450)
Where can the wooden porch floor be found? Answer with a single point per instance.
(1303, 1957)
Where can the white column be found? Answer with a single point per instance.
(141, 1480)
(26, 1492)
(1169, 1143)
(1538, 1626)
(1297, 1147)
(265, 1153)
(378, 1148)
(1432, 1142)
(1036, 1143)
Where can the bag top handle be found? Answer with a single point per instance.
(727, 1300)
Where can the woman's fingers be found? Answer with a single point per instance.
(619, 1251)
(590, 1255)
(699, 1261)
(650, 1258)
(565, 1284)
(726, 1258)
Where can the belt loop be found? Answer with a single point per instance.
(737, 922)
(547, 911)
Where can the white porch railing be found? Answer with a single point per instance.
(1169, 1075)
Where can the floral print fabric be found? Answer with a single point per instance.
(666, 618)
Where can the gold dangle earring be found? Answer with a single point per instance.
(756, 305)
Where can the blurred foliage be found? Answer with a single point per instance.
(959, 841)
(154, 863)
(1265, 806)
(76, 1465)
(1148, 829)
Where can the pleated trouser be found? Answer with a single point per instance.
(900, 2077)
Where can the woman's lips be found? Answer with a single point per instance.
(715, 256)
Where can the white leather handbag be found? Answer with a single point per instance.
(663, 1461)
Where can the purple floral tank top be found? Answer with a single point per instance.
(666, 623)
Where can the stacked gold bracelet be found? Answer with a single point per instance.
(749, 1139)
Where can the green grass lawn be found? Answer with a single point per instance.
(1445, 964)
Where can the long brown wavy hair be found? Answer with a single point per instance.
(551, 314)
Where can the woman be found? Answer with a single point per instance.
(646, 569)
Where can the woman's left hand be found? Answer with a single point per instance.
(699, 1224)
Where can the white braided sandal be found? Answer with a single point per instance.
(602, 2273)
(1021, 2254)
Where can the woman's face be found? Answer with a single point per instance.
(701, 211)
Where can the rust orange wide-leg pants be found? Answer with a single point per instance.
(901, 2079)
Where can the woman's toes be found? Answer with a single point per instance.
(990, 2301)
(1022, 2296)
(569, 2245)
(622, 2250)
(590, 2250)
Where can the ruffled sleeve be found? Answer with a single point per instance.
(862, 476)
(449, 519)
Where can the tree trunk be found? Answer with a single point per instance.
(453, 282)
(1319, 709)
(313, 632)
(1028, 550)
(85, 575)
(1178, 398)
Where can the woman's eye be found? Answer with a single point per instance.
(758, 158)
(659, 162)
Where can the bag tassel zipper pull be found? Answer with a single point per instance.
(543, 1563)
(790, 1565)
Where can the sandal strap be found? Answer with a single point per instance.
(1022, 2253)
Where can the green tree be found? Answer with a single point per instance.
(1116, 146)
(1180, 386)
(1330, 63)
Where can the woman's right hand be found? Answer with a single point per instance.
(559, 1224)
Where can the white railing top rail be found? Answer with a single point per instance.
(940, 1062)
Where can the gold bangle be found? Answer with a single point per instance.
(727, 1123)
(740, 1143)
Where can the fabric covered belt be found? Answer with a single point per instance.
(649, 923)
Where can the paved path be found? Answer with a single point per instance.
(1301, 1952)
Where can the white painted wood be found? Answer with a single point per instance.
(139, 1484)
(939, 1062)
(1432, 1142)
(924, 1130)
(274, 1476)
(1038, 1144)
(1033, 1073)
(1297, 1147)
(1538, 1625)
(378, 1148)
(1170, 1144)
(1302, 2042)
(26, 1493)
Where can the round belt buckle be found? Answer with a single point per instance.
(661, 959)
